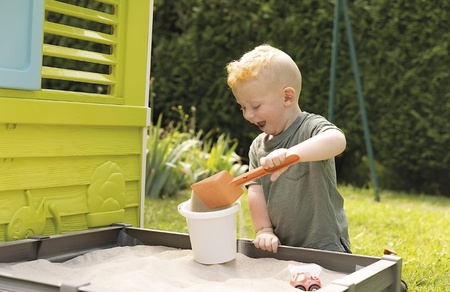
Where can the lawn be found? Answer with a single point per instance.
(415, 226)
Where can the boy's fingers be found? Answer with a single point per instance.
(276, 161)
(259, 243)
(269, 243)
(269, 162)
(274, 176)
(256, 242)
(274, 245)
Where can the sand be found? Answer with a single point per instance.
(160, 268)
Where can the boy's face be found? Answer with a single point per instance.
(263, 104)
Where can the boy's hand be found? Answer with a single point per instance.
(275, 158)
(267, 240)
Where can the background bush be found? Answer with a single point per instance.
(178, 156)
(403, 54)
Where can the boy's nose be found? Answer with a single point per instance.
(248, 114)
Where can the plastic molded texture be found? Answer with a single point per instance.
(106, 196)
(71, 160)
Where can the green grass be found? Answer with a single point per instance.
(415, 226)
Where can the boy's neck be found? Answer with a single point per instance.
(298, 113)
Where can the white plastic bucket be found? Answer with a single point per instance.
(212, 234)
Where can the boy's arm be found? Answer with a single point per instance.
(265, 238)
(322, 146)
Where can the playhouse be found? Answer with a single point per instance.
(72, 161)
(73, 131)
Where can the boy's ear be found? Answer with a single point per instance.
(289, 95)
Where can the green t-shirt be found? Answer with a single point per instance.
(305, 207)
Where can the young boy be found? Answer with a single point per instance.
(298, 206)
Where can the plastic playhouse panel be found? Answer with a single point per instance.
(71, 161)
(21, 32)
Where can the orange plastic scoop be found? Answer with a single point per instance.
(222, 189)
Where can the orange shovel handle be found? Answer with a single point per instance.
(260, 171)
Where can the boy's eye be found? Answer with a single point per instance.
(243, 108)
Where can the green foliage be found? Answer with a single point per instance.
(402, 49)
(212, 158)
(415, 226)
(164, 152)
(178, 157)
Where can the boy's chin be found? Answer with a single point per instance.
(269, 133)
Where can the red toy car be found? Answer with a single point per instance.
(306, 277)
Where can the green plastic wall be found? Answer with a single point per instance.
(75, 161)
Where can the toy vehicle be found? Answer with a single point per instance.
(305, 282)
(305, 277)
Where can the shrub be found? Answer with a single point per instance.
(178, 157)
(402, 49)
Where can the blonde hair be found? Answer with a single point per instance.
(265, 63)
